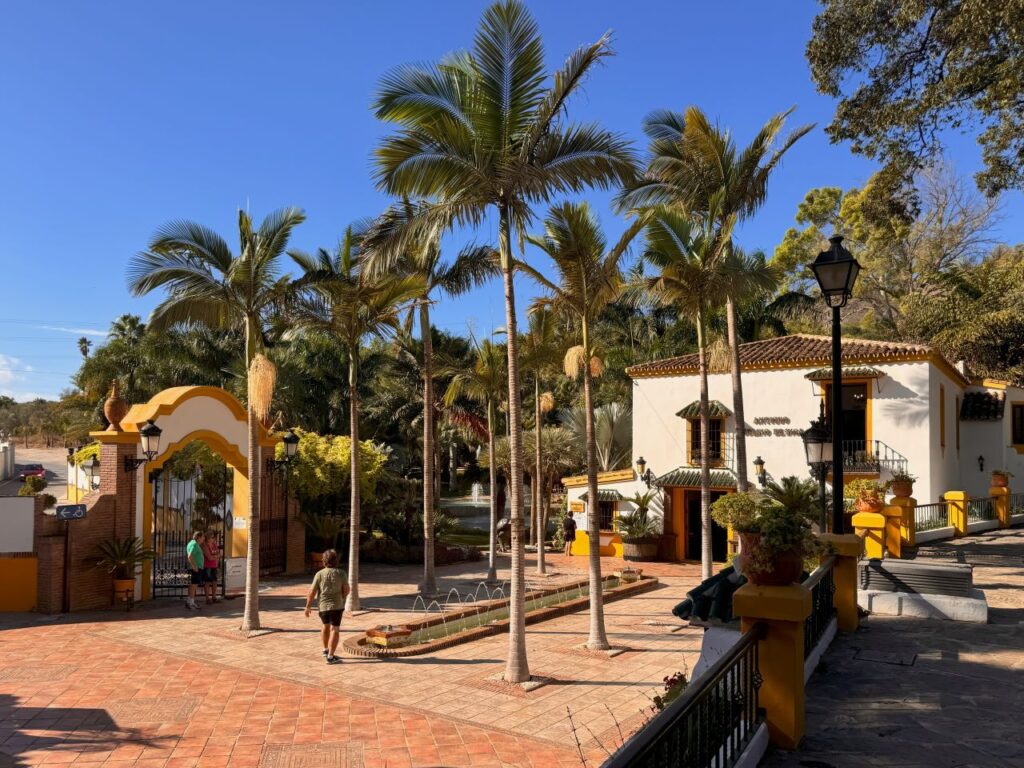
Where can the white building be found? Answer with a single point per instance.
(904, 407)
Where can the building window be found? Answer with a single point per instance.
(716, 456)
(1017, 422)
(942, 416)
(956, 416)
(606, 515)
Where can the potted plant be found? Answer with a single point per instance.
(868, 495)
(902, 484)
(121, 558)
(1001, 478)
(325, 529)
(775, 539)
(640, 533)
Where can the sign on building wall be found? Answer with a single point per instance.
(234, 574)
(576, 506)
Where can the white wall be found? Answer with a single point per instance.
(980, 438)
(17, 515)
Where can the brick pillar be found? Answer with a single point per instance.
(907, 504)
(296, 558)
(847, 549)
(782, 611)
(1001, 504)
(872, 526)
(957, 511)
(121, 485)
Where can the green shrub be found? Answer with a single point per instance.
(32, 486)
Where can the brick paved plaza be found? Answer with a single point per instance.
(162, 687)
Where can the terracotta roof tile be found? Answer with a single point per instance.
(715, 410)
(687, 477)
(798, 350)
(982, 406)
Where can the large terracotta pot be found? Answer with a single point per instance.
(786, 568)
(869, 505)
(123, 589)
(902, 488)
(1000, 480)
(642, 549)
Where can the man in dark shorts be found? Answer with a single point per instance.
(568, 532)
(329, 589)
(196, 567)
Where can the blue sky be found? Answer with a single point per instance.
(118, 116)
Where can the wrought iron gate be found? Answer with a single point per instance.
(273, 522)
(183, 505)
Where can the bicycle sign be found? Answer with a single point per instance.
(71, 512)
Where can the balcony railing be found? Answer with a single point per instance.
(711, 723)
(823, 589)
(928, 517)
(979, 510)
(871, 456)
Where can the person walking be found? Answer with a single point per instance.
(211, 561)
(568, 532)
(329, 589)
(197, 568)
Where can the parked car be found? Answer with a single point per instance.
(32, 470)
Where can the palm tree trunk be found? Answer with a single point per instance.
(537, 494)
(354, 524)
(492, 495)
(429, 584)
(737, 396)
(598, 639)
(517, 669)
(705, 467)
(251, 611)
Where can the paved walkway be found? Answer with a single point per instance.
(162, 687)
(917, 692)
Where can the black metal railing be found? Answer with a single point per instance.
(710, 724)
(1015, 503)
(823, 608)
(979, 510)
(871, 456)
(928, 517)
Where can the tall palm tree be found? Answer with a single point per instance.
(542, 351)
(340, 299)
(484, 383)
(746, 277)
(485, 132)
(695, 166)
(589, 279)
(690, 277)
(207, 284)
(422, 258)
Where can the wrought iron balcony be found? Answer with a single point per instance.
(871, 456)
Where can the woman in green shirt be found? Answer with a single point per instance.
(329, 589)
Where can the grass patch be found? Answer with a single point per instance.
(468, 536)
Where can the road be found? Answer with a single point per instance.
(55, 462)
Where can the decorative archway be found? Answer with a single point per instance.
(184, 415)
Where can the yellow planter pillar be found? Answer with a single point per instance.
(872, 526)
(957, 511)
(893, 529)
(1001, 503)
(847, 549)
(782, 611)
(907, 504)
(730, 535)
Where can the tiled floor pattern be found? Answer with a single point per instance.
(162, 687)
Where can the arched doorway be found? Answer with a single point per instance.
(164, 488)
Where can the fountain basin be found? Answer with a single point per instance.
(388, 636)
(489, 617)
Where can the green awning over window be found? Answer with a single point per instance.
(604, 496)
(687, 477)
(849, 372)
(715, 410)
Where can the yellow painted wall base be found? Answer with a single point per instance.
(581, 547)
(19, 577)
(957, 511)
(872, 525)
(847, 549)
(1001, 502)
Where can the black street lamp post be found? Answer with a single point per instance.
(836, 271)
(818, 445)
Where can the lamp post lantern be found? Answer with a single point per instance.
(291, 445)
(836, 271)
(643, 472)
(818, 446)
(150, 438)
(759, 472)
